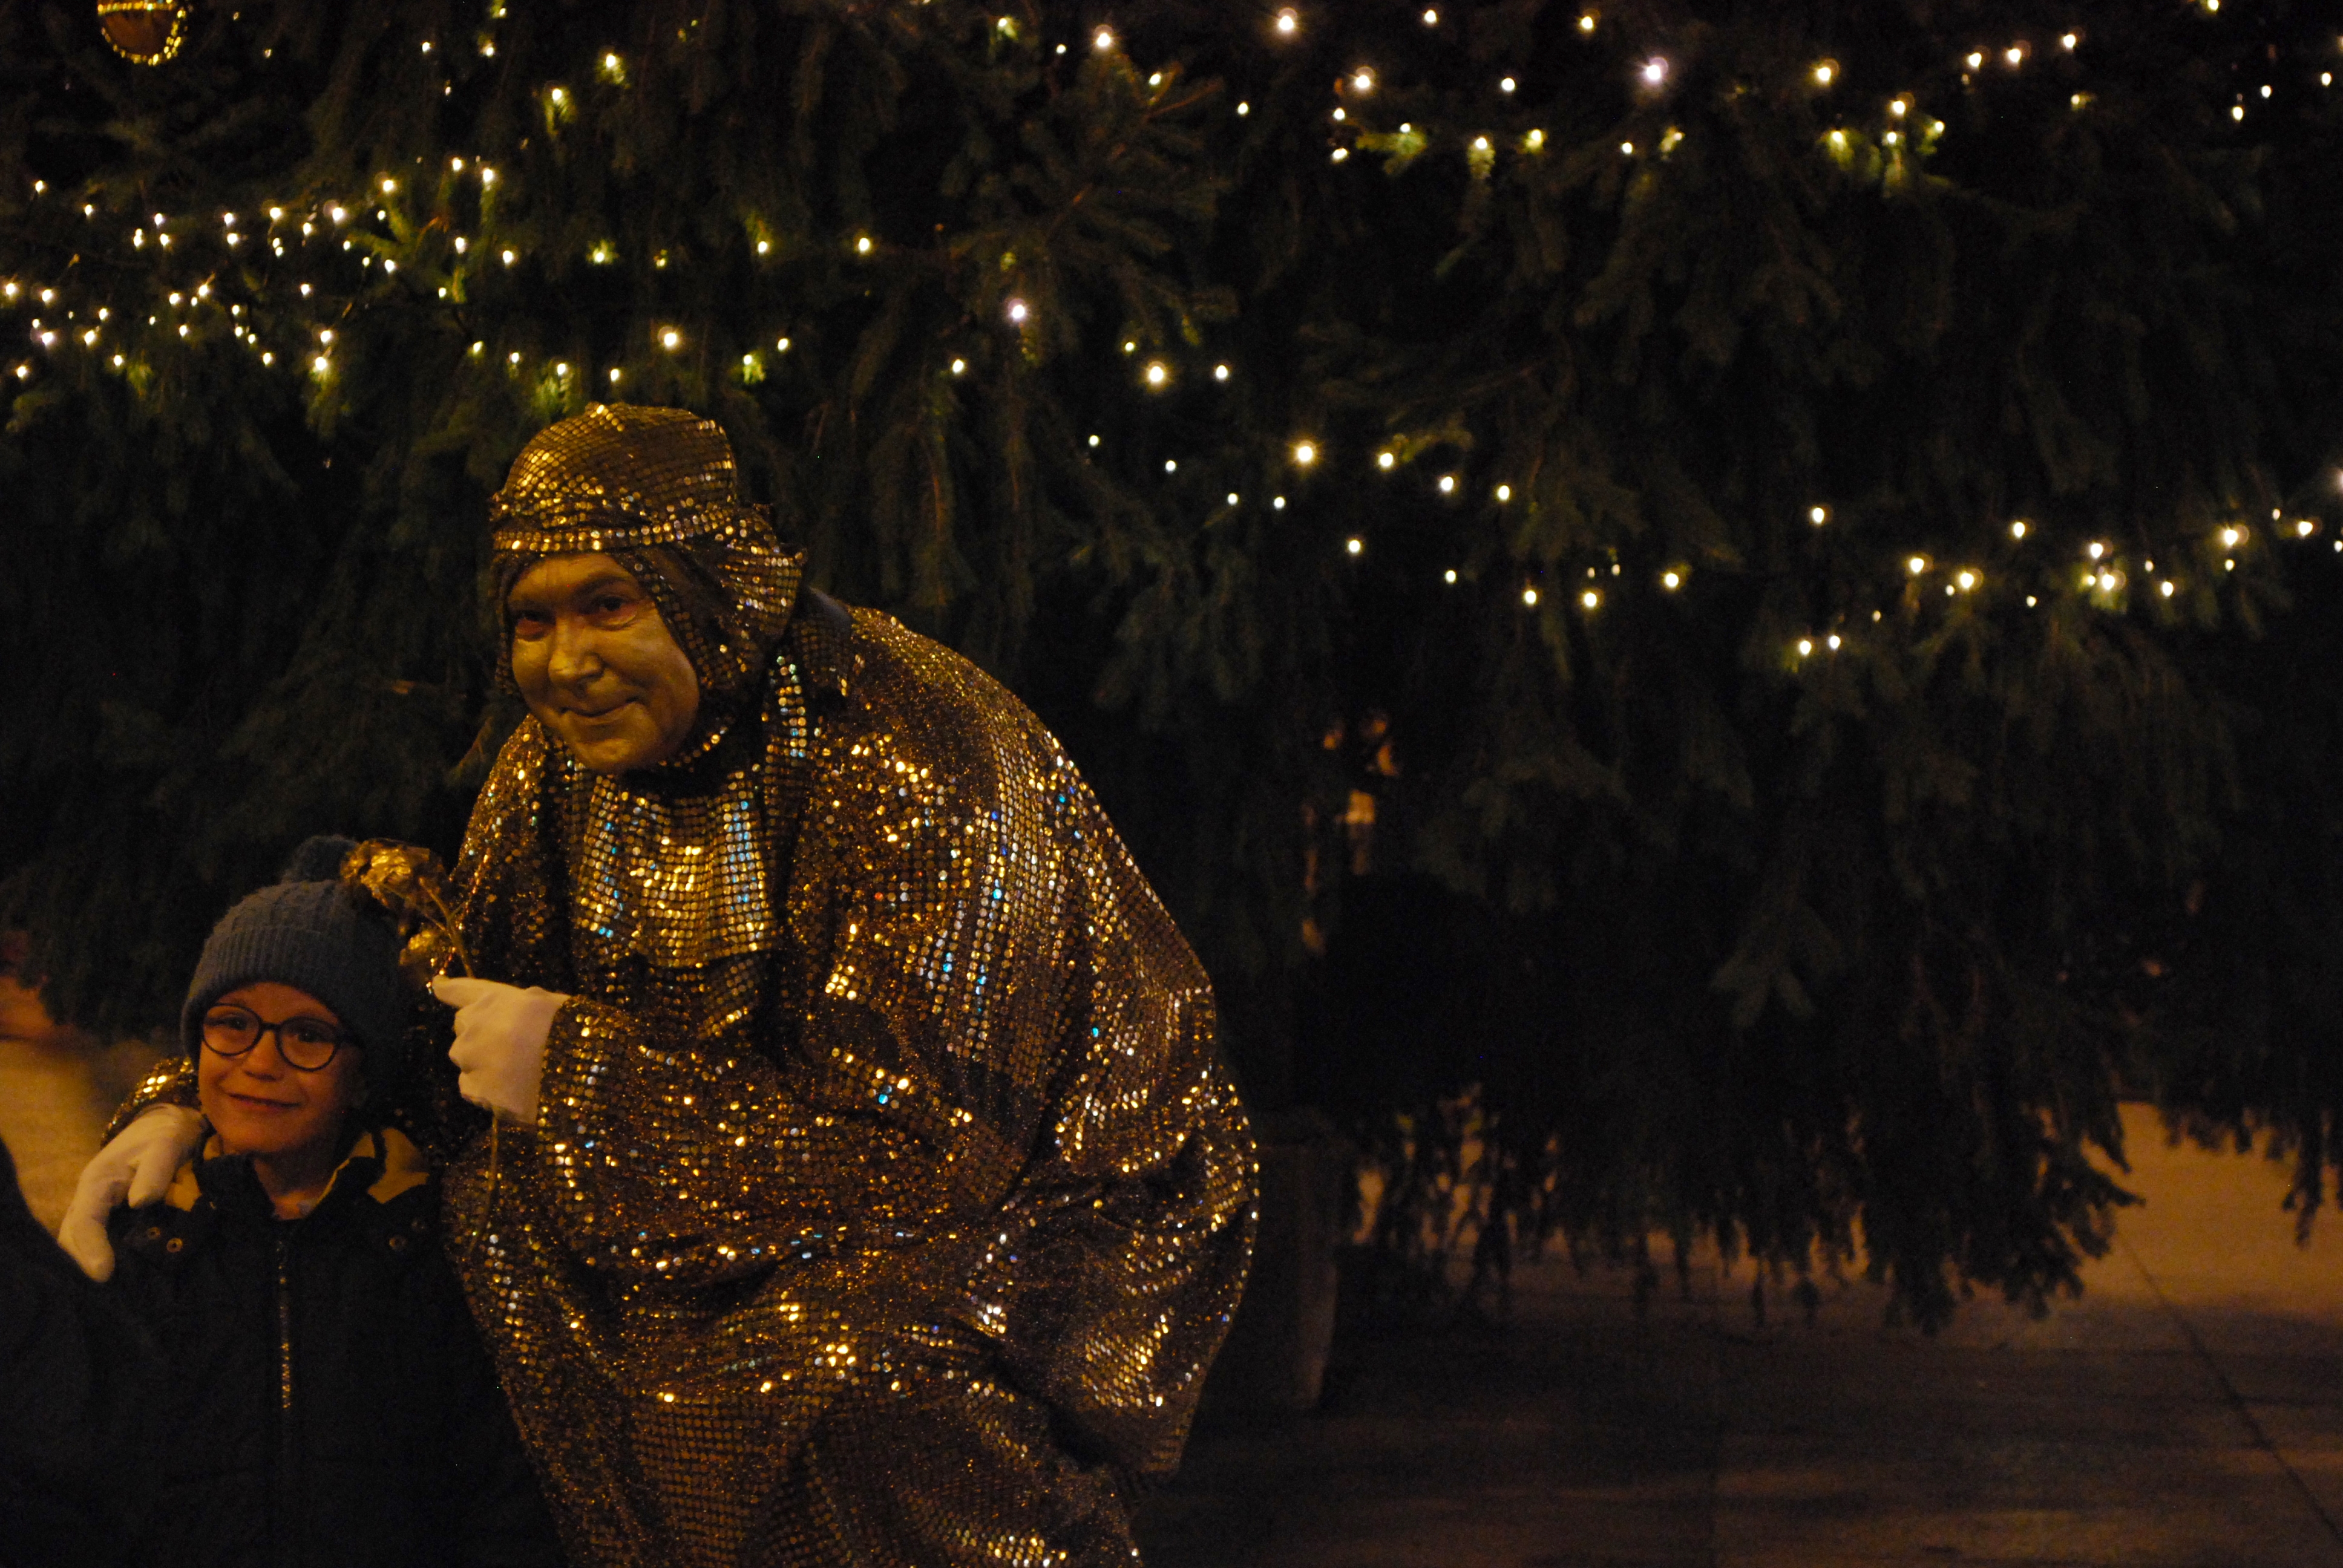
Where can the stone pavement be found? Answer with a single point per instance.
(2188, 1410)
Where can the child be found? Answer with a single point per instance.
(324, 1398)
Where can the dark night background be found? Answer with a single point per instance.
(1816, 884)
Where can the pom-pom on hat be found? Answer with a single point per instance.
(312, 931)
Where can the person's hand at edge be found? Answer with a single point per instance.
(499, 1050)
(136, 1167)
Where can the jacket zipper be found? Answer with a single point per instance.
(287, 1499)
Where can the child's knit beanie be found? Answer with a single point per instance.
(312, 931)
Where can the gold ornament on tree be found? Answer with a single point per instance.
(148, 31)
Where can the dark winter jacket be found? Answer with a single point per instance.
(327, 1397)
(78, 1377)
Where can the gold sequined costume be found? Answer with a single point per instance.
(886, 1202)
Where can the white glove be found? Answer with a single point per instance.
(136, 1167)
(499, 1050)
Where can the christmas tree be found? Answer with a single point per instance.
(1736, 575)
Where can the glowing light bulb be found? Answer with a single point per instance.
(1158, 373)
(487, 176)
(2069, 40)
(2165, 588)
(2014, 55)
(509, 257)
(2305, 528)
(1288, 23)
(862, 243)
(1967, 580)
(1363, 81)
(1103, 40)
(1017, 311)
(1590, 598)
(1896, 107)
(1219, 372)
(1975, 60)
(2230, 538)
(1831, 642)
(1354, 545)
(320, 364)
(1655, 71)
(670, 340)
(1386, 461)
(781, 344)
(1447, 484)
(614, 376)
(1826, 71)
(1448, 576)
(1672, 580)
(389, 185)
(960, 367)
(2017, 530)
(1506, 84)
(1805, 647)
(1917, 565)
(1587, 22)
(2096, 550)
(1504, 493)
(1818, 516)
(1305, 453)
(1431, 18)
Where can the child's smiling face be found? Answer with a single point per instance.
(258, 1101)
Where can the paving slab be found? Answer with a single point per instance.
(2185, 1412)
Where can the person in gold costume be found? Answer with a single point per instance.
(867, 1188)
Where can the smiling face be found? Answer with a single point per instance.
(262, 1105)
(597, 666)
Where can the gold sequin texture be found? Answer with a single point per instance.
(888, 1201)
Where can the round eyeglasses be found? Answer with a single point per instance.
(306, 1043)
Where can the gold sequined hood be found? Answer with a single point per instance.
(888, 1200)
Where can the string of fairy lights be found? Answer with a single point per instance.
(353, 248)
